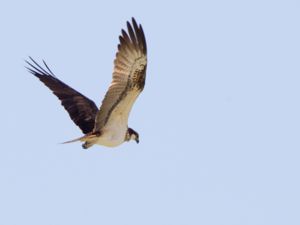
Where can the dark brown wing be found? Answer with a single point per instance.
(81, 109)
(128, 76)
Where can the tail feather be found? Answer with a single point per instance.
(71, 141)
(82, 139)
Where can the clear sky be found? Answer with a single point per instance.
(219, 118)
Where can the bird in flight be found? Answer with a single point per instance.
(107, 126)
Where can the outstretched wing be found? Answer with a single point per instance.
(81, 109)
(128, 76)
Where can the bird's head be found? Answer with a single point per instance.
(132, 135)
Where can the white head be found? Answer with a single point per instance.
(132, 135)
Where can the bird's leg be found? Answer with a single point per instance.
(86, 145)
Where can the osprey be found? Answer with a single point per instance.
(107, 126)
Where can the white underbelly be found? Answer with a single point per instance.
(109, 142)
(112, 135)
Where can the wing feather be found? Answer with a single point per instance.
(81, 109)
(128, 75)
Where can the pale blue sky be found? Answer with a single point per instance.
(218, 119)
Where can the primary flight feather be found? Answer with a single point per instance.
(107, 126)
